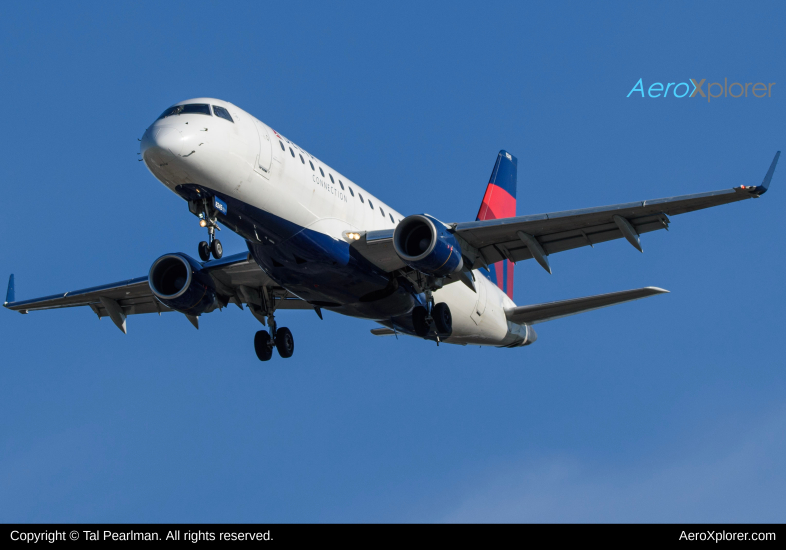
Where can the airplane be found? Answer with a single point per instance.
(318, 241)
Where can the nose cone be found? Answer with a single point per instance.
(163, 139)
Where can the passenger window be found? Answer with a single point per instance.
(331, 179)
(360, 196)
(312, 164)
(371, 204)
(291, 151)
(351, 192)
(301, 159)
(282, 145)
(391, 218)
(382, 211)
(341, 184)
(321, 172)
(222, 113)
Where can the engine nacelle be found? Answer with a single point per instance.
(425, 244)
(179, 282)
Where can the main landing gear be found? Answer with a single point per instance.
(284, 343)
(434, 320)
(212, 245)
(282, 340)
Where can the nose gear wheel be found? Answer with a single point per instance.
(204, 251)
(212, 245)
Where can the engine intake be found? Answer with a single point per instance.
(179, 283)
(425, 244)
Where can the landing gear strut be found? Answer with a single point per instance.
(212, 244)
(282, 338)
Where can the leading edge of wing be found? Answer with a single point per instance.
(75, 297)
(540, 313)
(655, 203)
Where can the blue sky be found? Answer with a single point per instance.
(667, 409)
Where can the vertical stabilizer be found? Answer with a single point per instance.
(500, 202)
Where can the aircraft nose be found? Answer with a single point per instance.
(165, 139)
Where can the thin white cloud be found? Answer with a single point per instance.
(733, 479)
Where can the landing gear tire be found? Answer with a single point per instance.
(285, 344)
(262, 345)
(204, 251)
(419, 323)
(217, 249)
(443, 320)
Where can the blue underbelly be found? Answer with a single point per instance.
(315, 267)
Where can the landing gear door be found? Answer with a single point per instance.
(262, 165)
(480, 305)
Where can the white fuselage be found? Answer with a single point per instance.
(252, 163)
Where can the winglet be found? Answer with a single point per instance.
(10, 295)
(761, 189)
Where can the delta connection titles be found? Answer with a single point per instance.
(701, 88)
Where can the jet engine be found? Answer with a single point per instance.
(425, 244)
(180, 283)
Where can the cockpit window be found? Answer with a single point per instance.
(222, 113)
(199, 108)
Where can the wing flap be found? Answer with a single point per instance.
(552, 243)
(540, 313)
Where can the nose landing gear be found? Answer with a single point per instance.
(204, 251)
(212, 244)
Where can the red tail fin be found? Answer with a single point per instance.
(500, 202)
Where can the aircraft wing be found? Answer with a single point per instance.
(537, 236)
(540, 313)
(233, 275)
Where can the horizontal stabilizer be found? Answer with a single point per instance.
(539, 313)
